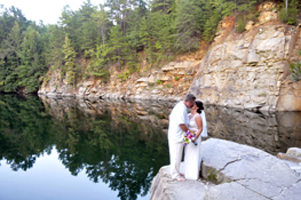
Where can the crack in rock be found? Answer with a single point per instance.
(253, 191)
(233, 161)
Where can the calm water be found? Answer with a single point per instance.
(76, 149)
(66, 150)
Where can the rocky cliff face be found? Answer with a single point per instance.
(251, 71)
(248, 70)
(170, 83)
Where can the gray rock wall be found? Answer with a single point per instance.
(250, 72)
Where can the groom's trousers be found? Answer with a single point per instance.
(175, 156)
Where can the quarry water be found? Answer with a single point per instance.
(92, 149)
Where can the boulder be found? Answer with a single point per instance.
(143, 79)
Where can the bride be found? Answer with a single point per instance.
(192, 157)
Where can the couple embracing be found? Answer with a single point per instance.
(179, 123)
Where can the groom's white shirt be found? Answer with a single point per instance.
(178, 116)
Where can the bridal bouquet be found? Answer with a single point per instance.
(189, 137)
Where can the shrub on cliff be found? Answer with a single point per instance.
(296, 70)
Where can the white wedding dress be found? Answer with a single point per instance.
(192, 157)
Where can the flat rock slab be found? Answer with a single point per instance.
(237, 171)
(256, 172)
(164, 188)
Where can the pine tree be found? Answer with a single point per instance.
(69, 69)
(56, 42)
(188, 30)
(146, 39)
(118, 44)
(99, 60)
(102, 22)
(29, 71)
(88, 27)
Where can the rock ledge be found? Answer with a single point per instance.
(238, 171)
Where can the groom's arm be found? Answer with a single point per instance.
(183, 127)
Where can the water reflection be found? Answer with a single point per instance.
(106, 140)
(122, 144)
(271, 132)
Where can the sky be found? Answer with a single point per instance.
(47, 10)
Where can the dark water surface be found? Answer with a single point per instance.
(67, 149)
(92, 149)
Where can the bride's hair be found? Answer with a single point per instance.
(200, 106)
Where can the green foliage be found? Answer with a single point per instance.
(97, 144)
(159, 82)
(188, 28)
(291, 15)
(99, 60)
(124, 76)
(69, 69)
(134, 34)
(296, 70)
(118, 44)
(241, 25)
(176, 78)
(212, 176)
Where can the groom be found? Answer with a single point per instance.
(178, 123)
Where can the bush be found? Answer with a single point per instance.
(241, 25)
(296, 70)
(291, 16)
(159, 82)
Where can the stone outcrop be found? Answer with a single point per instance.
(248, 70)
(170, 83)
(232, 171)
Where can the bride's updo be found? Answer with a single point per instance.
(200, 106)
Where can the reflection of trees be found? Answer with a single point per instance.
(113, 147)
(24, 131)
(117, 152)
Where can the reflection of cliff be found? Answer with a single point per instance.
(111, 142)
(151, 117)
(271, 132)
(105, 140)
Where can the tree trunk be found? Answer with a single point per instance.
(103, 37)
(286, 5)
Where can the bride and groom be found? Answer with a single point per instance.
(179, 122)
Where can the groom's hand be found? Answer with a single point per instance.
(183, 127)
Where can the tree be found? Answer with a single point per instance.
(87, 27)
(99, 59)
(69, 69)
(118, 44)
(102, 22)
(29, 71)
(146, 36)
(187, 27)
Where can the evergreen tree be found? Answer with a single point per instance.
(188, 30)
(87, 29)
(118, 44)
(56, 41)
(119, 12)
(102, 22)
(146, 39)
(99, 60)
(69, 69)
(29, 71)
